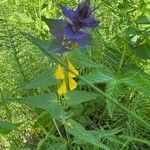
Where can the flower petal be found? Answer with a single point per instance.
(67, 12)
(62, 89)
(72, 83)
(84, 9)
(56, 27)
(91, 22)
(59, 74)
(57, 34)
(71, 34)
(72, 71)
(86, 41)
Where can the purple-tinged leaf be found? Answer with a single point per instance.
(67, 12)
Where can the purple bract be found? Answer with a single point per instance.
(74, 30)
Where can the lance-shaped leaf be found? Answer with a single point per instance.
(48, 47)
(80, 133)
(46, 102)
(81, 60)
(113, 90)
(99, 76)
(78, 97)
(45, 79)
(143, 20)
(143, 51)
(57, 146)
(7, 127)
(138, 82)
(56, 27)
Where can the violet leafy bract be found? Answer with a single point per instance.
(79, 20)
(57, 29)
(72, 33)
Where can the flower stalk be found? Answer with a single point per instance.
(70, 33)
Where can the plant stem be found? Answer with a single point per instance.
(145, 124)
(57, 128)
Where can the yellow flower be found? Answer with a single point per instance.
(72, 83)
(72, 74)
(62, 89)
(59, 74)
(72, 71)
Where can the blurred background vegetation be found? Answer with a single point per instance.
(123, 40)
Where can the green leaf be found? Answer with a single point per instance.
(113, 90)
(48, 47)
(104, 134)
(43, 80)
(56, 24)
(146, 32)
(42, 119)
(47, 102)
(78, 97)
(136, 140)
(79, 132)
(99, 76)
(7, 127)
(143, 20)
(81, 60)
(143, 51)
(14, 148)
(132, 31)
(112, 54)
(138, 82)
(57, 146)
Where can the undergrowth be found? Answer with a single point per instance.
(110, 107)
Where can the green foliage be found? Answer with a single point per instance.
(143, 20)
(78, 97)
(80, 59)
(99, 76)
(7, 127)
(142, 51)
(138, 81)
(46, 101)
(110, 107)
(113, 90)
(79, 132)
(45, 79)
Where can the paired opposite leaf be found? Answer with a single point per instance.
(81, 60)
(143, 51)
(79, 132)
(143, 20)
(43, 80)
(98, 76)
(78, 97)
(57, 146)
(48, 47)
(7, 127)
(138, 82)
(46, 101)
(113, 90)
